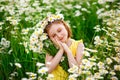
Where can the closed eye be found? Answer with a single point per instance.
(59, 30)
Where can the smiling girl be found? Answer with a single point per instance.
(60, 34)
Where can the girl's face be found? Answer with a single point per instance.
(59, 32)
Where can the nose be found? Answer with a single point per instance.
(59, 36)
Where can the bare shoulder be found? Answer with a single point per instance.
(80, 43)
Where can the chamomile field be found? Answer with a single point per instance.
(96, 22)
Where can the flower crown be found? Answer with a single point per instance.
(38, 36)
(49, 18)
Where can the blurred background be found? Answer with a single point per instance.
(97, 22)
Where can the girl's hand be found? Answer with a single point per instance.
(59, 44)
(65, 47)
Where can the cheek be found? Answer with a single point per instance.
(66, 33)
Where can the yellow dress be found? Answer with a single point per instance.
(59, 73)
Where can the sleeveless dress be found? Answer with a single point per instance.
(59, 73)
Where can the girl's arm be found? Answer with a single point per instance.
(51, 62)
(71, 58)
(79, 53)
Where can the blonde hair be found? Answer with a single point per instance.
(58, 22)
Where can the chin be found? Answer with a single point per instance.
(64, 40)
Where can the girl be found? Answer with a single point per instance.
(60, 34)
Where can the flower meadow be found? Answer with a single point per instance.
(97, 22)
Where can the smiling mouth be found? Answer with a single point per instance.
(61, 38)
